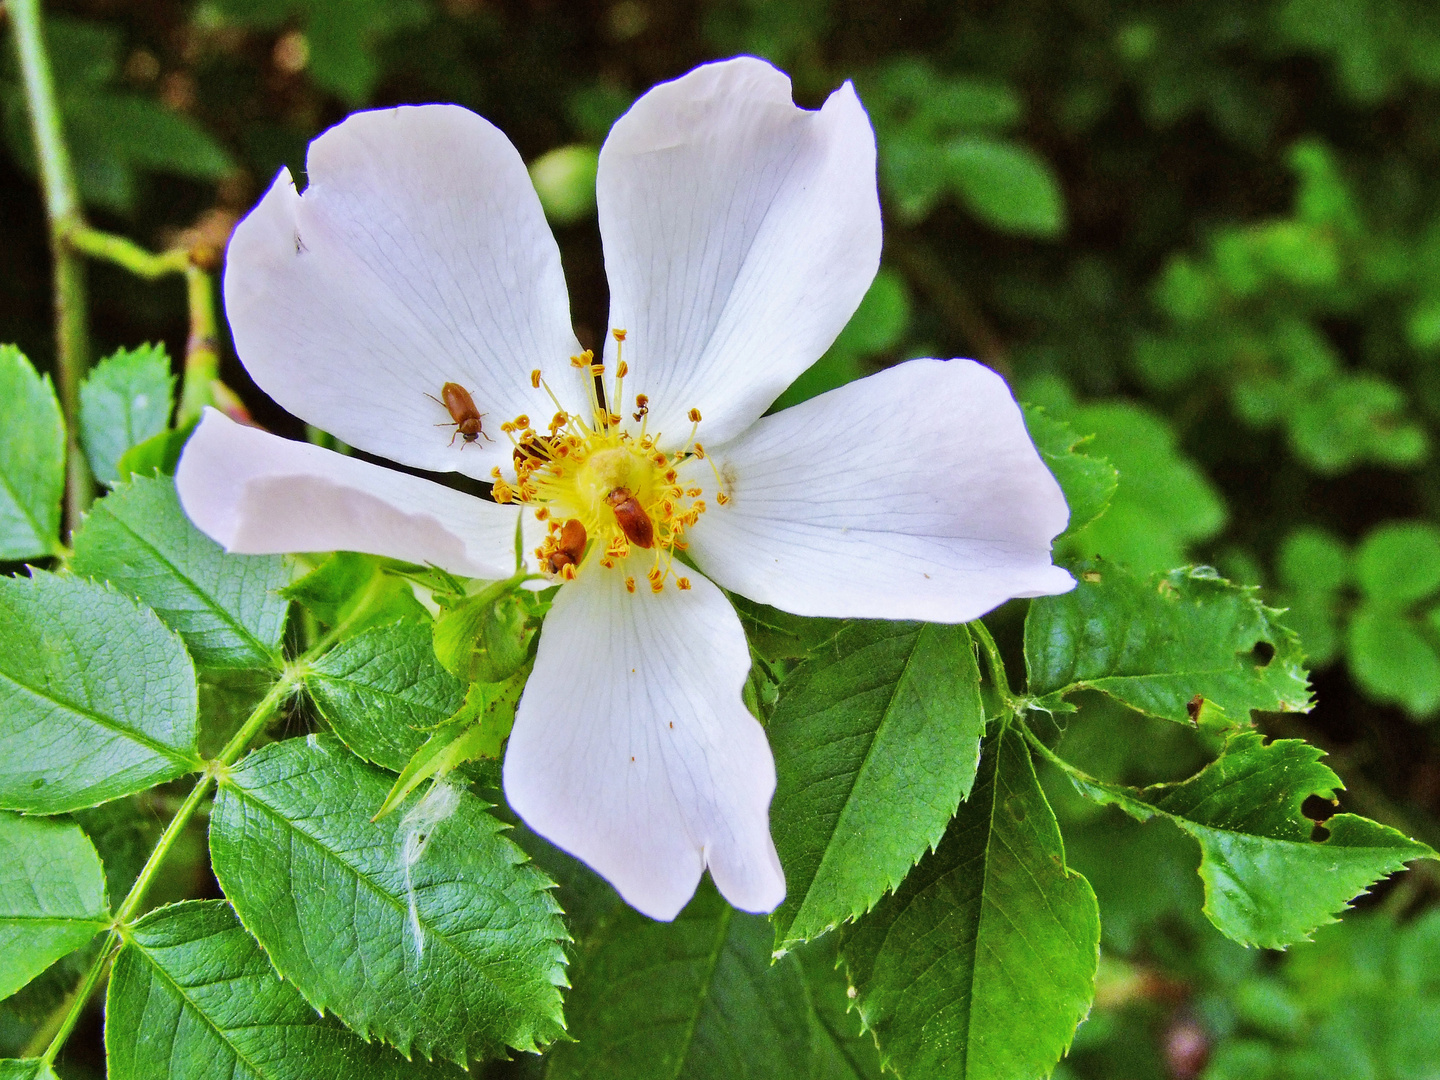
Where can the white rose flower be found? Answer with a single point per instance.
(740, 233)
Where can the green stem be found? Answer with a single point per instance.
(996, 664)
(130, 906)
(62, 207)
(126, 253)
(202, 355)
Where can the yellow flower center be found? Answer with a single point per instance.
(612, 497)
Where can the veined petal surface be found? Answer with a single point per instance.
(633, 750)
(418, 255)
(915, 493)
(258, 494)
(740, 233)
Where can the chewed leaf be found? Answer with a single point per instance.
(1183, 646)
(1269, 881)
(876, 741)
(981, 964)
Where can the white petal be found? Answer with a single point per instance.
(912, 494)
(259, 494)
(740, 234)
(633, 751)
(418, 255)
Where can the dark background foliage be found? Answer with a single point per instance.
(1206, 232)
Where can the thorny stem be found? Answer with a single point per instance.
(62, 208)
(130, 906)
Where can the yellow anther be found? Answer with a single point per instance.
(657, 586)
(622, 369)
(522, 421)
(692, 493)
(568, 571)
(698, 450)
(694, 416)
(542, 513)
(597, 370)
(535, 379)
(619, 335)
(721, 498)
(682, 583)
(630, 584)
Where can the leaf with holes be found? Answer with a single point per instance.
(97, 697)
(429, 930)
(125, 400)
(384, 691)
(226, 607)
(695, 998)
(52, 895)
(876, 741)
(982, 963)
(1268, 881)
(32, 459)
(192, 997)
(1182, 646)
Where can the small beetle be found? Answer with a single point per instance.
(634, 522)
(571, 547)
(461, 407)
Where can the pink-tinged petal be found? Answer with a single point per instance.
(258, 494)
(633, 750)
(418, 255)
(740, 234)
(913, 494)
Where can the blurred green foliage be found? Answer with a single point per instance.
(1204, 234)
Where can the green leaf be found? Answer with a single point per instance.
(1313, 559)
(1159, 644)
(840, 1047)
(383, 691)
(487, 637)
(159, 453)
(354, 590)
(1399, 562)
(52, 895)
(125, 400)
(428, 930)
(32, 459)
(25, 1069)
(192, 996)
(1268, 882)
(778, 635)
(226, 607)
(1006, 185)
(478, 730)
(692, 999)
(1088, 482)
(1163, 502)
(982, 963)
(1392, 660)
(875, 742)
(97, 697)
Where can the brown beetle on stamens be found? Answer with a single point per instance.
(571, 546)
(634, 522)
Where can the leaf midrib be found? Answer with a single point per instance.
(212, 605)
(98, 921)
(712, 962)
(373, 885)
(843, 816)
(110, 724)
(181, 992)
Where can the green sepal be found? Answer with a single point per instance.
(488, 636)
(478, 730)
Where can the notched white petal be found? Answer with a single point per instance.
(256, 493)
(418, 255)
(740, 234)
(913, 494)
(633, 750)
